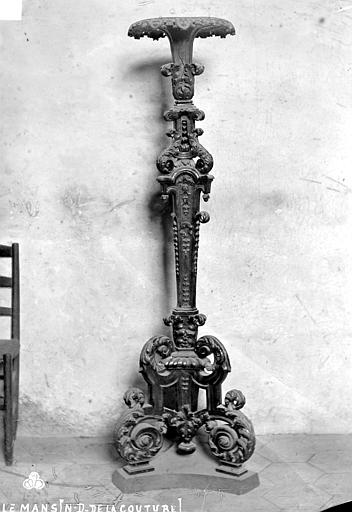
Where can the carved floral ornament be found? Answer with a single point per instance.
(177, 367)
(192, 26)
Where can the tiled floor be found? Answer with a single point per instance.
(297, 473)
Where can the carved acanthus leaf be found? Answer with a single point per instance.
(139, 437)
(207, 345)
(197, 26)
(155, 351)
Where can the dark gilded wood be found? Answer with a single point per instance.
(176, 367)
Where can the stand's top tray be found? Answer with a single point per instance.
(194, 26)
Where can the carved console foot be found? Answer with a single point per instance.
(231, 433)
(138, 435)
(231, 469)
(138, 468)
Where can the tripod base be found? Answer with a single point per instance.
(197, 470)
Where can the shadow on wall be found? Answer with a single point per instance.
(157, 94)
(155, 91)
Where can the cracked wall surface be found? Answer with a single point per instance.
(81, 126)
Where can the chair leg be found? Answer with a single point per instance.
(8, 416)
(16, 386)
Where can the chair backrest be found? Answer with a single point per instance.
(13, 282)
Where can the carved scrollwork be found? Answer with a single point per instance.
(187, 109)
(134, 398)
(234, 400)
(231, 443)
(199, 319)
(139, 437)
(169, 69)
(155, 351)
(231, 435)
(167, 159)
(205, 161)
(203, 217)
(183, 148)
(207, 345)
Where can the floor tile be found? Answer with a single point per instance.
(12, 479)
(288, 448)
(257, 462)
(298, 496)
(80, 469)
(81, 474)
(61, 480)
(209, 501)
(300, 509)
(53, 450)
(263, 439)
(333, 461)
(336, 483)
(138, 499)
(284, 473)
(3, 497)
(94, 495)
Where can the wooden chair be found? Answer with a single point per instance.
(10, 353)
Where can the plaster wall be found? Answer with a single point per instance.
(81, 126)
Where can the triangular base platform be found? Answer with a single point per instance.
(198, 470)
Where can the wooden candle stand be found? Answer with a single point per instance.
(176, 368)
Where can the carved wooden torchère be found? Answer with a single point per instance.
(176, 368)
